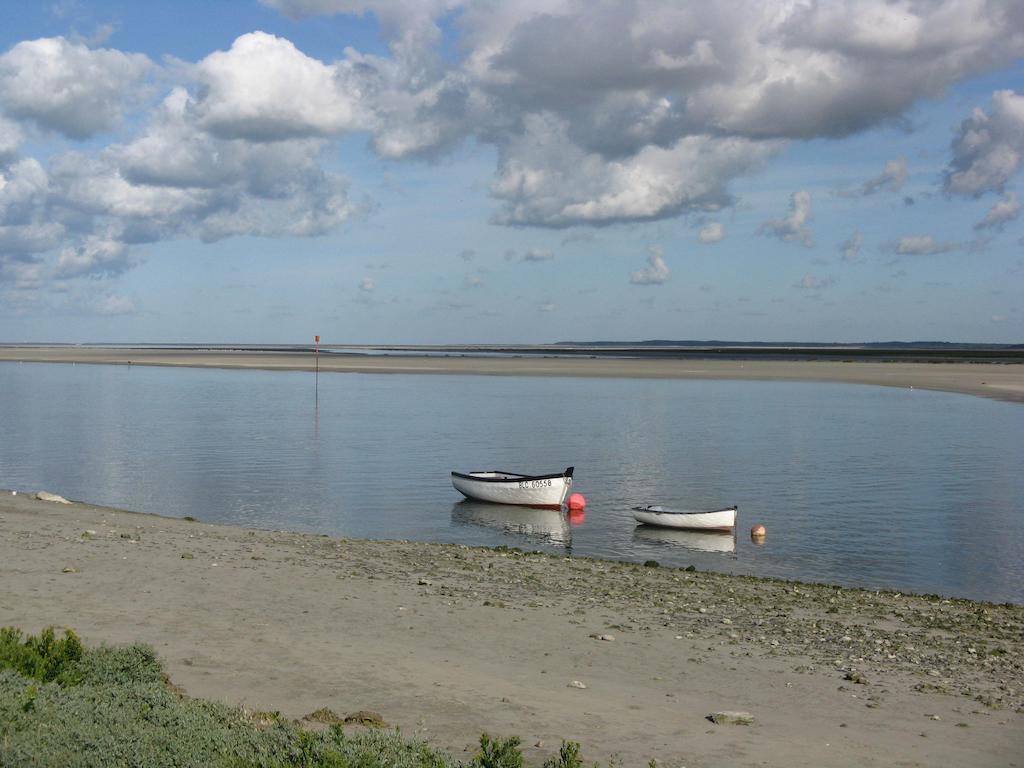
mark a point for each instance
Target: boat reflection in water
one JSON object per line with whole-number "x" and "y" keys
{"x": 699, "y": 541}
{"x": 551, "y": 526}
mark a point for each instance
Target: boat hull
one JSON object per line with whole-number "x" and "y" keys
{"x": 713, "y": 520}
{"x": 511, "y": 488}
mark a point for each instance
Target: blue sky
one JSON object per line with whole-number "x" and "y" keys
{"x": 460, "y": 171}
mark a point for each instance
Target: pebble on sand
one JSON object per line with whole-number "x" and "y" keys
{"x": 576, "y": 684}
{"x": 47, "y": 496}
{"x": 731, "y": 718}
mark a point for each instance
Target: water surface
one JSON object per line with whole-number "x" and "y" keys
{"x": 858, "y": 485}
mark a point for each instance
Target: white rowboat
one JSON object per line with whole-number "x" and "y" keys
{"x": 513, "y": 488}
{"x": 713, "y": 520}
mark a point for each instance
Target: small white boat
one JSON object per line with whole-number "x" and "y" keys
{"x": 513, "y": 488}
{"x": 698, "y": 520}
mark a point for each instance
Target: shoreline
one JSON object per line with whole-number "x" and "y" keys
{"x": 447, "y": 641}
{"x": 999, "y": 381}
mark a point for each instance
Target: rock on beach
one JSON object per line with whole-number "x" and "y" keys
{"x": 47, "y": 496}
{"x": 731, "y": 718}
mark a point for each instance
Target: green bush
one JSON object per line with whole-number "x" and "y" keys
{"x": 43, "y": 658}
{"x": 499, "y": 753}
{"x": 568, "y": 756}
{"x": 68, "y": 706}
{"x": 63, "y": 705}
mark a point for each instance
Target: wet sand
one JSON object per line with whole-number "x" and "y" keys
{"x": 448, "y": 641}
{"x": 993, "y": 380}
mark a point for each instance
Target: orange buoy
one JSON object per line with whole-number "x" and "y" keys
{"x": 576, "y": 501}
{"x": 757, "y": 532}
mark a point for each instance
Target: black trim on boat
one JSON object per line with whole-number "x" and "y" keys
{"x": 664, "y": 511}
{"x": 513, "y": 477}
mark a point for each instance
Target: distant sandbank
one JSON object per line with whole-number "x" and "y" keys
{"x": 992, "y": 380}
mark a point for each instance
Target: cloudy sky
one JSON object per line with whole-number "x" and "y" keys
{"x": 530, "y": 171}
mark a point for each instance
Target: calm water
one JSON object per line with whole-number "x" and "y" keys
{"x": 869, "y": 486}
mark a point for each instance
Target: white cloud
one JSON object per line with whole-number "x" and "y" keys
{"x": 10, "y": 139}
{"x": 473, "y": 281}
{"x": 20, "y": 181}
{"x": 96, "y": 257}
{"x": 830, "y": 69}
{"x": 21, "y": 275}
{"x": 850, "y": 248}
{"x": 711, "y": 232}
{"x": 20, "y": 242}
{"x": 892, "y": 178}
{"x": 1003, "y": 212}
{"x": 265, "y": 89}
{"x": 586, "y": 139}
{"x": 920, "y": 245}
{"x": 814, "y": 283}
{"x": 536, "y": 255}
{"x": 172, "y": 182}
{"x": 26, "y": 227}
{"x": 67, "y": 87}
{"x": 111, "y": 304}
{"x": 367, "y": 285}
{"x": 655, "y": 273}
{"x": 989, "y": 147}
{"x": 793, "y": 228}
{"x": 546, "y": 180}
{"x": 684, "y": 98}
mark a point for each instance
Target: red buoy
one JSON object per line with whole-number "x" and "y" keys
{"x": 576, "y": 501}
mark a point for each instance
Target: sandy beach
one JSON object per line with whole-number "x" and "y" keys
{"x": 446, "y": 641}
{"x": 994, "y": 380}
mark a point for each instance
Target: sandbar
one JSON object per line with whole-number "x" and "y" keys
{"x": 448, "y": 641}
{"x": 1000, "y": 381}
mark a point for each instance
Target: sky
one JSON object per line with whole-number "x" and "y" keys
{"x": 511, "y": 171}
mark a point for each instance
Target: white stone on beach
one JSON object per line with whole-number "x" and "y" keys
{"x": 47, "y": 496}
{"x": 577, "y": 684}
{"x": 731, "y": 718}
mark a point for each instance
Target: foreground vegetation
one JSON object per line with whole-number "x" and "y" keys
{"x": 62, "y": 704}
